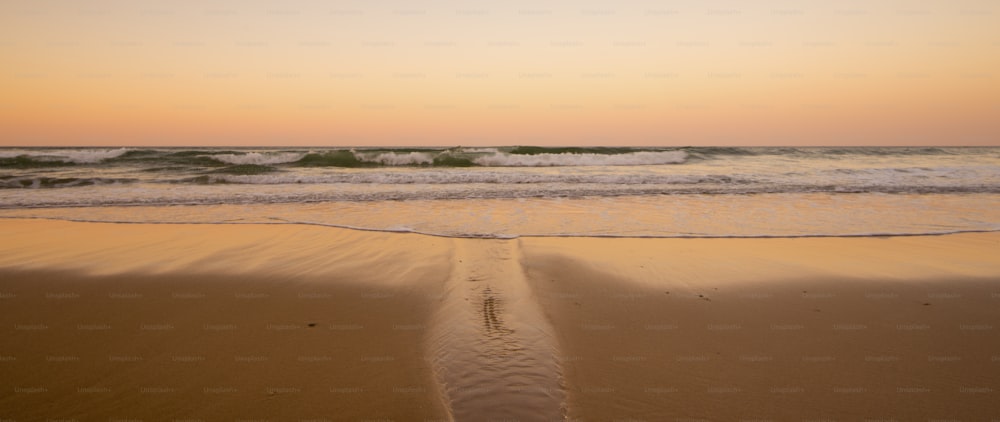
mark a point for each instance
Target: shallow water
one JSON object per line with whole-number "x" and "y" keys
{"x": 764, "y": 215}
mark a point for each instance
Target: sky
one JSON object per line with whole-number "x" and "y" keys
{"x": 442, "y": 73}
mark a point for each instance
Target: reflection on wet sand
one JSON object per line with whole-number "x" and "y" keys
{"x": 492, "y": 349}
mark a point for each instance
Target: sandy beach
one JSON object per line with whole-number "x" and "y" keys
{"x": 440, "y": 211}
{"x": 294, "y": 322}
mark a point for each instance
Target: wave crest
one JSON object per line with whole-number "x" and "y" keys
{"x": 398, "y": 159}
{"x": 74, "y": 156}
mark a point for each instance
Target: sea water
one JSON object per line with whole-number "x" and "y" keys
{"x": 508, "y": 192}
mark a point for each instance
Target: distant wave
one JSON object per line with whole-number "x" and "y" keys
{"x": 47, "y": 157}
{"x": 522, "y": 156}
{"x": 349, "y": 158}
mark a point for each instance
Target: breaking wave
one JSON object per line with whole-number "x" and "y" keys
{"x": 397, "y": 159}
{"x": 258, "y": 158}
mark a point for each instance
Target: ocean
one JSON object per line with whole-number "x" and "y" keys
{"x": 508, "y": 192}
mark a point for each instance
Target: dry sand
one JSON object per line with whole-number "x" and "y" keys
{"x": 283, "y": 322}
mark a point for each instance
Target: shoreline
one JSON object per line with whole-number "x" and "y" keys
{"x": 493, "y": 236}
{"x": 639, "y": 328}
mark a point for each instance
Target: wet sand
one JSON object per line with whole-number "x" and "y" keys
{"x": 840, "y": 329}
{"x": 284, "y": 322}
{"x": 195, "y": 322}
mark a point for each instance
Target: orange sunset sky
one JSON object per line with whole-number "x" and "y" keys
{"x": 303, "y": 72}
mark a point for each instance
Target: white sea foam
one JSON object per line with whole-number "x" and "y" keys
{"x": 397, "y": 159}
{"x": 480, "y": 150}
{"x": 258, "y": 158}
{"x": 568, "y": 159}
